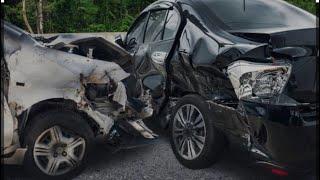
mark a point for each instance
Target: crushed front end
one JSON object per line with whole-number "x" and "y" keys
{"x": 87, "y": 75}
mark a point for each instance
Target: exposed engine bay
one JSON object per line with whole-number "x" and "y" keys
{"x": 97, "y": 92}
{"x": 87, "y": 74}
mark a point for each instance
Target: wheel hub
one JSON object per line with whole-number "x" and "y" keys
{"x": 189, "y": 131}
{"x": 59, "y": 150}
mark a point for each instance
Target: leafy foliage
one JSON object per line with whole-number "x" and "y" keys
{"x": 308, "y": 5}
{"x": 90, "y": 15}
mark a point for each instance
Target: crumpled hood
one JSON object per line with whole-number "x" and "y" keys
{"x": 49, "y": 73}
{"x": 66, "y": 69}
{"x": 56, "y": 42}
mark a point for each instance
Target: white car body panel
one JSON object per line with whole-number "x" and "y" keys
{"x": 37, "y": 73}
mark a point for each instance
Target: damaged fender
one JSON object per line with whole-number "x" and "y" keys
{"x": 38, "y": 73}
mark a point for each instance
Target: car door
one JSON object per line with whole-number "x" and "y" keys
{"x": 151, "y": 56}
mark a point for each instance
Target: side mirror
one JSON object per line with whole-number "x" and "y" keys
{"x": 118, "y": 40}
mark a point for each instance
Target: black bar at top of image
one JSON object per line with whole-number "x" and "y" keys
{"x": 317, "y": 90}
{"x": 2, "y": 118}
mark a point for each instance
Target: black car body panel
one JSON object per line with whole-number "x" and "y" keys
{"x": 279, "y": 129}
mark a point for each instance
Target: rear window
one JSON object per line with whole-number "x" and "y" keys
{"x": 254, "y": 14}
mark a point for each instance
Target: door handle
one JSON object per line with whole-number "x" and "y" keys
{"x": 159, "y": 57}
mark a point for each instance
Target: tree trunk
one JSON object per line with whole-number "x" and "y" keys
{"x": 38, "y": 27}
{"x": 40, "y": 16}
{"x": 24, "y": 14}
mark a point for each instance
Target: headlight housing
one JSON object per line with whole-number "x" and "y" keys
{"x": 269, "y": 83}
{"x": 258, "y": 79}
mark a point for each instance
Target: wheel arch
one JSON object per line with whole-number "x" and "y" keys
{"x": 51, "y": 104}
{"x": 214, "y": 143}
{"x": 206, "y": 100}
{"x": 165, "y": 123}
{"x": 182, "y": 93}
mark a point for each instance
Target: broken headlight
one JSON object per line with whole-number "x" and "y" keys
{"x": 258, "y": 79}
{"x": 266, "y": 83}
{"x": 270, "y": 83}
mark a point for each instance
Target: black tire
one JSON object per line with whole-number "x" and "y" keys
{"x": 46, "y": 120}
{"x": 214, "y": 142}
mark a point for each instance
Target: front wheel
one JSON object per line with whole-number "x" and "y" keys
{"x": 58, "y": 145}
{"x": 194, "y": 139}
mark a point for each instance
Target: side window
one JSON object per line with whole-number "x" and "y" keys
{"x": 172, "y": 24}
{"x": 136, "y": 34}
{"x": 155, "y": 26}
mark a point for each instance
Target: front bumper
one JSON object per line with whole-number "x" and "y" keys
{"x": 16, "y": 158}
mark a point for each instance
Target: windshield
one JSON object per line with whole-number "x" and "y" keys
{"x": 254, "y": 14}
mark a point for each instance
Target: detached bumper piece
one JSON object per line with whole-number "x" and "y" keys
{"x": 142, "y": 129}
{"x": 16, "y": 158}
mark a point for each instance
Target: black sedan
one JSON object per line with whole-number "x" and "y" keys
{"x": 231, "y": 71}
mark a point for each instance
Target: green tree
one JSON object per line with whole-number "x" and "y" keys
{"x": 308, "y": 5}
{"x": 91, "y": 15}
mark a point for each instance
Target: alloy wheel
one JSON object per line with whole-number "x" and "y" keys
{"x": 189, "y": 132}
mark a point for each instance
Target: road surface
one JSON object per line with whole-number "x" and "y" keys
{"x": 157, "y": 162}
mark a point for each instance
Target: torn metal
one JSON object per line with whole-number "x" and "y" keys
{"x": 69, "y": 68}
{"x": 260, "y": 80}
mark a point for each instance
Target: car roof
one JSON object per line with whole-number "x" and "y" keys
{"x": 162, "y": 2}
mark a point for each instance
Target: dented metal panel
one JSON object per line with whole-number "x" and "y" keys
{"x": 260, "y": 80}
{"x": 42, "y": 71}
{"x": 8, "y": 125}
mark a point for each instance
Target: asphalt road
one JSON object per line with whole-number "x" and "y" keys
{"x": 157, "y": 162}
